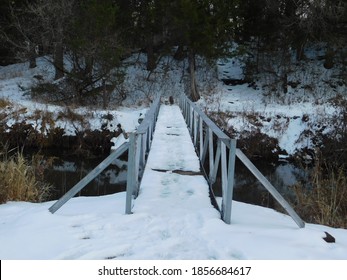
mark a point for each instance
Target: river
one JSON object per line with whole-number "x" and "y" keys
{"x": 65, "y": 172}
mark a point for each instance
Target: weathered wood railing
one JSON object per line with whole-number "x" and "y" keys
{"x": 139, "y": 144}
{"x": 137, "y": 147}
{"x": 92, "y": 175}
{"x": 204, "y": 132}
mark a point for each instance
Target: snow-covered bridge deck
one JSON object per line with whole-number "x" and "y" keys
{"x": 172, "y": 177}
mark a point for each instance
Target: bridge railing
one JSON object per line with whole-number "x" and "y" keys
{"x": 139, "y": 145}
{"x": 213, "y": 144}
{"x": 92, "y": 175}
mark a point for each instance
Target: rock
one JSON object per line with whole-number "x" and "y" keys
{"x": 329, "y": 238}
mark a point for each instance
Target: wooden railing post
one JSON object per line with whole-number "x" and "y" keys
{"x": 91, "y": 176}
{"x": 139, "y": 145}
{"x": 229, "y": 177}
{"x": 195, "y": 129}
{"x": 227, "y": 165}
{"x": 131, "y": 181}
{"x": 216, "y": 162}
{"x": 201, "y": 132}
{"x": 210, "y": 152}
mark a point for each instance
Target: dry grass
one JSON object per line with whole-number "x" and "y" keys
{"x": 4, "y": 103}
{"x": 325, "y": 202}
{"x": 20, "y": 181}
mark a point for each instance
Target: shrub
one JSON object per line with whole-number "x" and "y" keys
{"x": 324, "y": 201}
{"x": 20, "y": 181}
{"x": 4, "y": 103}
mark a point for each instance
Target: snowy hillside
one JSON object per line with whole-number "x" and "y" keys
{"x": 96, "y": 227}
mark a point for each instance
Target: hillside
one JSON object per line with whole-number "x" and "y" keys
{"x": 296, "y": 121}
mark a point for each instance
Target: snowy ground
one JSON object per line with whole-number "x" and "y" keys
{"x": 15, "y": 80}
{"x": 285, "y": 117}
{"x": 172, "y": 219}
{"x": 97, "y": 228}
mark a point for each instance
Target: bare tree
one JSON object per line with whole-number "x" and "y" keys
{"x": 54, "y": 19}
{"x": 21, "y": 32}
{"x": 41, "y": 24}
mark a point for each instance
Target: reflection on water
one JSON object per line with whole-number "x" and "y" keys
{"x": 65, "y": 173}
{"x": 283, "y": 176}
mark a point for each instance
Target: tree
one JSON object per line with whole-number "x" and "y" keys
{"x": 95, "y": 48}
{"x": 21, "y": 31}
{"x": 144, "y": 25}
{"x": 39, "y": 24}
{"x": 204, "y": 28}
{"x": 54, "y": 19}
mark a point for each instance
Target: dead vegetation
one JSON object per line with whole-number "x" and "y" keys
{"x": 21, "y": 180}
{"x": 324, "y": 199}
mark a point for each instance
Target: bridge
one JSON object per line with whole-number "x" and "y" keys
{"x": 174, "y": 158}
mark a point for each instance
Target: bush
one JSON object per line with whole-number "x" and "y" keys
{"x": 47, "y": 92}
{"x": 4, "y": 103}
{"x": 324, "y": 201}
{"x": 20, "y": 181}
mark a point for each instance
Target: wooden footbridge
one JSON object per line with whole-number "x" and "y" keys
{"x": 174, "y": 158}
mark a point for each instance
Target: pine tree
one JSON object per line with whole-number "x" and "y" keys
{"x": 204, "y": 28}
{"x": 95, "y": 47}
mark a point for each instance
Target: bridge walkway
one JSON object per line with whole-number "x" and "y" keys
{"x": 164, "y": 169}
{"x": 172, "y": 178}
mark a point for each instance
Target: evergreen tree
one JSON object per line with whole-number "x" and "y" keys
{"x": 204, "y": 28}
{"x": 95, "y": 47}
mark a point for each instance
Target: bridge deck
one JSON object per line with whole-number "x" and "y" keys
{"x": 172, "y": 177}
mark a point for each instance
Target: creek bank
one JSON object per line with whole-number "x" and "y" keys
{"x": 87, "y": 143}
{"x": 299, "y": 140}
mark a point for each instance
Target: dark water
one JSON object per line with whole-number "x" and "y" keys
{"x": 282, "y": 175}
{"x": 67, "y": 171}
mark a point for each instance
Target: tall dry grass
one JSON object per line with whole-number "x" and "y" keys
{"x": 325, "y": 200}
{"x": 4, "y": 103}
{"x": 20, "y": 180}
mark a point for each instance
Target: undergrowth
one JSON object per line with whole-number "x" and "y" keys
{"x": 4, "y": 103}
{"x": 21, "y": 180}
{"x": 324, "y": 200}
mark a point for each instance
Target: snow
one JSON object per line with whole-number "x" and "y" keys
{"x": 15, "y": 80}
{"x": 97, "y": 228}
{"x": 185, "y": 227}
{"x": 172, "y": 219}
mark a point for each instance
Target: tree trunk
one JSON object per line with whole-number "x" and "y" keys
{"x": 329, "y": 58}
{"x": 32, "y": 62}
{"x": 104, "y": 95}
{"x": 58, "y": 60}
{"x": 194, "y": 93}
{"x": 32, "y": 56}
{"x": 179, "y": 54}
{"x": 151, "y": 61}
